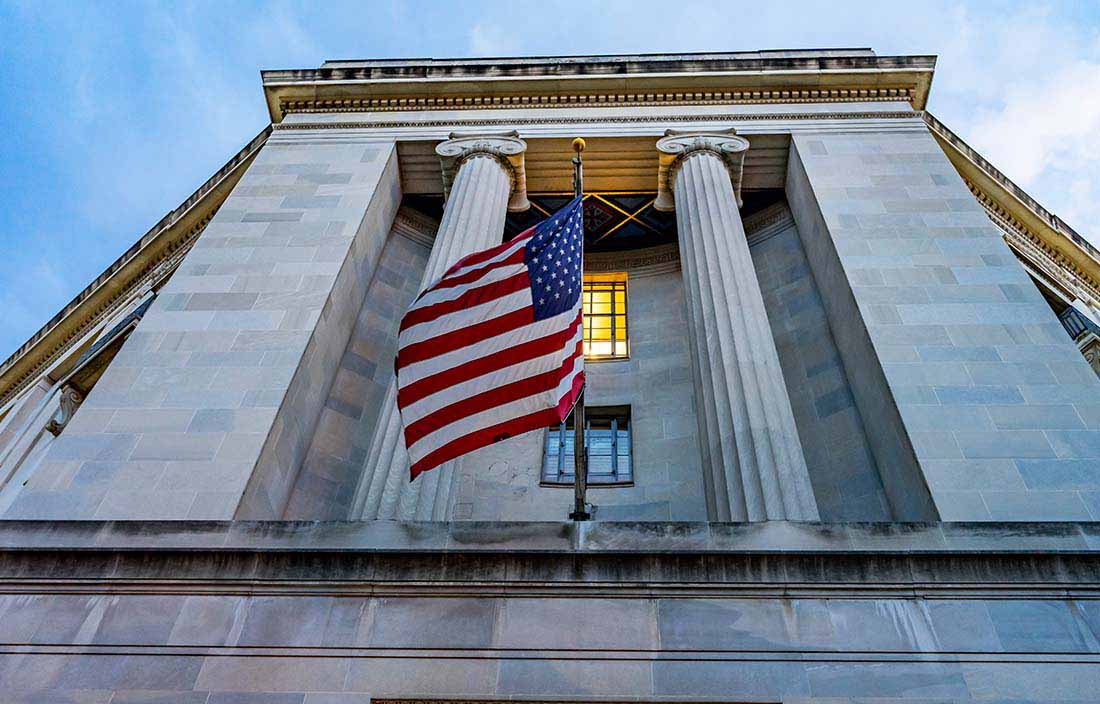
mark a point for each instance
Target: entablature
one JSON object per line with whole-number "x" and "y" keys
{"x": 837, "y": 75}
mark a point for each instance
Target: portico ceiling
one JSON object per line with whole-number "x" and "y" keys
{"x": 611, "y": 164}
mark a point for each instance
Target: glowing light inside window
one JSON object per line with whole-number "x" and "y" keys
{"x": 604, "y": 304}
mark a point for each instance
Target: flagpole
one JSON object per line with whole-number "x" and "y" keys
{"x": 580, "y": 453}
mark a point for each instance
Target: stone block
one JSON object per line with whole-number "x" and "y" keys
{"x": 1005, "y": 444}
{"x": 155, "y": 504}
{"x": 963, "y": 625}
{"x": 1075, "y": 444}
{"x": 1038, "y": 505}
{"x": 434, "y": 622}
{"x": 1036, "y": 417}
{"x": 1037, "y": 682}
{"x": 961, "y": 505}
{"x": 131, "y": 672}
{"x": 989, "y": 395}
{"x": 127, "y": 420}
{"x": 208, "y": 620}
{"x": 220, "y": 301}
{"x": 907, "y": 681}
{"x": 177, "y": 446}
{"x": 137, "y": 619}
{"x": 576, "y": 677}
{"x": 1062, "y": 475}
{"x": 254, "y": 698}
{"x": 738, "y": 624}
{"x": 271, "y": 674}
{"x": 745, "y": 680}
{"x": 422, "y": 677}
{"x": 1034, "y": 626}
{"x": 974, "y": 475}
{"x": 286, "y": 621}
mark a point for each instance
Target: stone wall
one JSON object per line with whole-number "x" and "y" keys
{"x": 210, "y": 405}
{"x": 966, "y": 379}
{"x": 334, "y": 464}
{"x": 838, "y": 456}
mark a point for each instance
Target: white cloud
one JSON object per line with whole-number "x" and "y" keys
{"x": 1023, "y": 88}
{"x": 1053, "y": 123}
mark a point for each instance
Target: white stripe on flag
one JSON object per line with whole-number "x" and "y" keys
{"x": 464, "y": 318}
{"x": 493, "y": 380}
{"x": 485, "y": 348}
{"x": 493, "y": 416}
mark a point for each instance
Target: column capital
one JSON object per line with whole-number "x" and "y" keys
{"x": 679, "y": 145}
{"x": 505, "y": 148}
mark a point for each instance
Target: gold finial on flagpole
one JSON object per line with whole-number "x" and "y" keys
{"x": 578, "y": 168}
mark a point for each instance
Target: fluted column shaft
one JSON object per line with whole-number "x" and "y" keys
{"x": 751, "y": 451}
{"x": 473, "y": 219}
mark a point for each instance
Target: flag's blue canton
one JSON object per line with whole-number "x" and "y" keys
{"x": 554, "y": 261}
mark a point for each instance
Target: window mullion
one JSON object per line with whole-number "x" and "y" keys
{"x": 615, "y": 448}
{"x": 561, "y": 450}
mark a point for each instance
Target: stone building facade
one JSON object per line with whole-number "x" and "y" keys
{"x": 842, "y": 376}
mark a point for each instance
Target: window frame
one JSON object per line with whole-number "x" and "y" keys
{"x": 618, "y": 477}
{"x": 617, "y": 280}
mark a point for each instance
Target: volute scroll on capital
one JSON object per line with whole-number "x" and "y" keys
{"x": 506, "y": 148}
{"x": 677, "y": 146}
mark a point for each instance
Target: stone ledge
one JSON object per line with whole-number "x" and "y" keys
{"x": 657, "y": 538}
{"x": 539, "y": 559}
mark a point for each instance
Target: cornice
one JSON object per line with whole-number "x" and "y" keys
{"x": 595, "y": 119}
{"x": 565, "y": 66}
{"x": 1040, "y": 254}
{"x": 449, "y": 84}
{"x": 1038, "y": 235}
{"x": 149, "y": 260}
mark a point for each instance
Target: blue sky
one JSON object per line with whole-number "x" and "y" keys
{"x": 114, "y": 112}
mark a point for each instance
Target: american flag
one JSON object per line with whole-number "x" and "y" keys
{"x": 494, "y": 348}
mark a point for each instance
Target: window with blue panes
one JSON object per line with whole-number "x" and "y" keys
{"x": 607, "y": 437}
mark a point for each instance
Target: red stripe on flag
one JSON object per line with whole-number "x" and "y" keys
{"x": 475, "y": 274}
{"x": 448, "y": 342}
{"x": 469, "y": 299}
{"x": 484, "y": 365}
{"x": 497, "y": 396}
{"x": 501, "y": 431}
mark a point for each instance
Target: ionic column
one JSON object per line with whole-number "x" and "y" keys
{"x": 483, "y": 179}
{"x": 752, "y": 456}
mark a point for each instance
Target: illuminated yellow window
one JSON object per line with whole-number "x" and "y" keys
{"x": 604, "y": 301}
